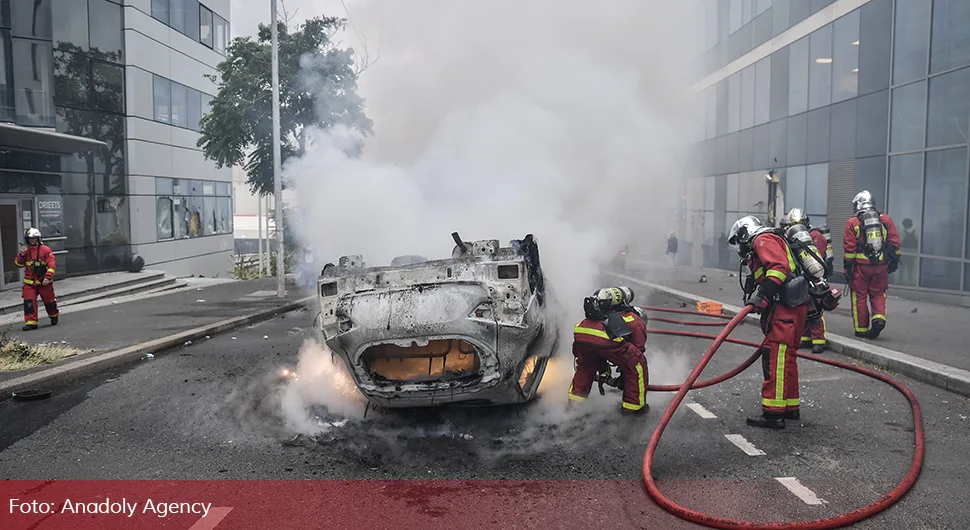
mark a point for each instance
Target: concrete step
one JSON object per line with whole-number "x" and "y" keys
{"x": 154, "y": 285}
{"x": 89, "y": 291}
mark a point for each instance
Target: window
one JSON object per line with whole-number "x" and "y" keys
{"x": 176, "y": 14}
{"x": 762, "y": 91}
{"x": 31, "y": 19}
{"x": 779, "y": 16}
{"x": 875, "y": 44}
{"x": 873, "y": 124}
{"x": 193, "y": 108}
{"x": 160, "y": 10}
{"x": 842, "y": 144}
{"x": 164, "y": 209}
{"x": 731, "y": 203}
{"x": 951, "y": 35}
{"x": 779, "y": 84}
{"x": 745, "y": 11}
{"x": 908, "y": 117}
{"x": 910, "y": 40}
{"x": 795, "y": 189}
{"x": 192, "y": 21}
{"x": 870, "y": 174}
{"x": 845, "y": 62}
{"x": 818, "y": 135}
{"x": 735, "y": 16}
{"x": 163, "y": 99}
{"x": 949, "y": 109}
{"x": 798, "y": 77}
{"x": 734, "y": 103}
{"x": 778, "y": 142}
{"x": 179, "y": 118}
{"x": 33, "y": 79}
{"x": 107, "y": 87}
{"x": 192, "y": 208}
{"x": 70, "y": 24}
{"x": 820, "y": 68}
{"x": 205, "y": 26}
{"x": 905, "y": 179}
{"x": 761, "y": 6}
{"x": 939, "y": 274}
{"x": 7, "y": 109}
{"x": 106, "y": 30}
{"x": 747, "y": 97}
{"x": 220, "y": 34}
{"x": 817, "y": 189}
{"x": 797, "y": 139}
{"x": 944, "y": 202}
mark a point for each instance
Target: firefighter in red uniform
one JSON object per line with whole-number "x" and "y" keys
{"x": 38, "y": 279}
{"x": 781, "y": 300}
{"x": 814, "y": 333}
{"x": 872, "y": 251}
{"x": 612, "y": 331}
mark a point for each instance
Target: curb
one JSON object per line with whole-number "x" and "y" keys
{"x": 111, "y": 359}
{"x": 933, "y": 373}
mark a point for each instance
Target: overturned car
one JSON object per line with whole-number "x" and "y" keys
{"x": 476, "y": 329}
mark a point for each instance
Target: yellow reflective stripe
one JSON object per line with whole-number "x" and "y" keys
{"x": 50, "y": 271}
{"x": 590, "y": 331}
{"x": 780, "y": 373}
{"x": 818, "y": 341}
{"x": 618, "y": 339}
{"x": 856, "y": 228}
{"x": 850, "y": 255}
{"x": 30, "y": 282}
{"x": 855, "y": 314}
{"x": 794, "y": 402}
{"x": 759, "y": 273}
{"x": 776, "y": 274}
{"x": 804, "y": 338}
{"x": 879, "y": 317}
{"x": 641, "y": 386}
{"x": 31, "y": 322}
{"x": 791, "y": 259}
{"x": 575, "y": 397}
{"x": 630, "y": 318}
{"x": 825, "y": 328}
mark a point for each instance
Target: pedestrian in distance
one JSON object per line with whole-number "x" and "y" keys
{"x": 38, "y": 261}
{"x": 672, "y": 250}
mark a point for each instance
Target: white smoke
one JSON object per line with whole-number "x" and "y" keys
{"x": 566, "y": 120}
{"x": 321, "y": 379}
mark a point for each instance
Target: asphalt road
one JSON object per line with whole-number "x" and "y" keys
{"x": 213, "y": 410}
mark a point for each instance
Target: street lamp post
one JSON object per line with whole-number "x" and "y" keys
{"x": 277, "y": 181}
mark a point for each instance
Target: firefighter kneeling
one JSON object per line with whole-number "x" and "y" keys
{"x": 615, "y": 332}
{"x": 38, "y": 259}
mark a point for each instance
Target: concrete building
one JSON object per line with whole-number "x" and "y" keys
{"x": 101, "y": 102}
{"x": 836, "y": 97}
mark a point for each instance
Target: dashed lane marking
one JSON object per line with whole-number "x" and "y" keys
{"x": 701, "y": 411}
{"x": 806, "y": 495}
{"x": 210, "y": 521}
{"x": 744, "y": 445}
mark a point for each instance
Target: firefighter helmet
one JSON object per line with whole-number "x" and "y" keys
{"x": 796, "y": 216}
{"x": 744, "y": 230}
{"x": 862, "y": 201}
{"x": 32, "y": 233}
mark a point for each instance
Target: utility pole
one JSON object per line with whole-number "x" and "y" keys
{"x": 259, "y": 219}
{"x": 277, "y": 179}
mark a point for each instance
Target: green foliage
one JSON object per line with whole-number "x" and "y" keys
{"x": 318, "y": 88}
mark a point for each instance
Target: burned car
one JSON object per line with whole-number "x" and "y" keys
{"x": 476, "y": 329}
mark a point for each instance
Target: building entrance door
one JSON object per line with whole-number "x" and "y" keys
{"x": 11, "y": 230}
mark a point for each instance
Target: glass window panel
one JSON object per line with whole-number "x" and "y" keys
{"x": 746, "y": 150}
{"x": 799, "y": 11}
{"x": 873, "y": 124}
{"x": 205, "y": 26}
{"x": 220, "y": 34}
{"x": 106, "y": 27}
{"x": 762, "y": 91}
{"x": 71, "y": 79}
{"x": 762, "y": 151}
{"x": 722, "y": 107}
{"x": 949, "y": 109}
{"x": 31, "y": 19}
{"x": 910, "y": 40}
{"x": 779, "y": 16}
{"x": 798, "y": 54}
{"x": 163, "y": 99}
{"x": 710, "y": 186}
{"x": 223, "y": 215}
{"x": 820, "y": 68}
{"x": 7, "y": 109}
{"x": 779, "y": 84}
{"x": 797, "y": 139}
{"x": 817, "y": 5}
{"x": 966, "y": 277}
{"x": 875, "y": 43}
{"x": 778, "y": 143}
{"x": 908, "y": 117}
{"x": 842, "y": 139}
{"x": 179, "y": 110}
{"x": 734, "y": 102}
{"x": 209, "y": 215}
{"x": 747, "y": 97}
{"x": 761, "y": 6}
{"x": 710, "y": 112}
{"x": 163, "y": 186}
{"x": 762, "y": 30}
{"x": 193, "y": 108}
{"x": 733, "y": 153}
{"x": 951, "y": 35}
{"x": 70, "y": 25}
{"x": 940, "y": 274}
{"x": 795, "y": 188}
{"x": 195, "y": 187}
{"x": 195, "y": 207}
{"x": 33, "y": 80}
{"x": 817, "y": 147}
{"x": 112, "y": 222}
{"x": 731, "y": 203}
{"x": 223, "y": 189}
{"x": 208, "y": 188}
{"x": 176, "y": 17}
{"x": 845, "y": 62}
{"x": 107, "y": 87}
{"x": 164, "y": 210}
{"x": 816, "y": 189}
{"x": 192, "y": 19}
{"x": 182, "y": 217}
{"x": 735, "y": 16}
{"x": 870, "y": 174}
{"x": 181, "y": 187}
{"x": 160, "y": 9}
{"x": 905, "y": 176}
{"x": 944, "y": 201}
{"x": 746, "y": 11}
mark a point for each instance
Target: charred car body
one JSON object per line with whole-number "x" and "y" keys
{"x": 476, "y": 329}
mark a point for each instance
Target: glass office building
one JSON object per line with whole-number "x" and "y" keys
{"x": 836, "y": 97}
{"x": 99, "y": 108}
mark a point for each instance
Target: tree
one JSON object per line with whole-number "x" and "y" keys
{"x": 318, "y": 88}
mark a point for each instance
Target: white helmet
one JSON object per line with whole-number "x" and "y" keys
{"x": 797, "y": 217}
{"x": 616, "y": 295}
{"x": 32, "y": 233}
{"x": 744, "y": 230}
{"x": 862, "y": 201}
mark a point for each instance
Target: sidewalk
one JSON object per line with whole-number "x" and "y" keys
{"x": 934, "y": 332}
{"x": 116, "y": 326}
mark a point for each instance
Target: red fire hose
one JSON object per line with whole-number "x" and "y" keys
{"x": 713, "y": 521}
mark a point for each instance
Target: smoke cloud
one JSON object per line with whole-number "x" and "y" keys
{"x": 567, "y": 120}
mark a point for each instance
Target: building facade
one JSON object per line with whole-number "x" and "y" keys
{"x": 836, "y": 97}
{"x": 101, "y": 101}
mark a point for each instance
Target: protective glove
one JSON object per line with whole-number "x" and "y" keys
{"x": 766, "y": 293}
{"x": 758, "y": 301}
{"x": 23, "y": 252}
{"x": 749, "y": 284}
{"x": 849, "y": 268}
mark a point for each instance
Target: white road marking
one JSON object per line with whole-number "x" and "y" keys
{"x": 744, "y": 445}
{"x": 210, "y": 521}
{"x": 701, "y": 411}
{"x": 806, "y": 495}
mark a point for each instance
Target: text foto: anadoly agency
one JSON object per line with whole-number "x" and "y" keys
{"x": 110, "y": 507}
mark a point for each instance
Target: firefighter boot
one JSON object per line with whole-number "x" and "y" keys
{"x": 792, "y": 415}
{"x": 30, "y": 327}
{"x": 768, "y": 420}
{"x": 628, "y": 412}
{"x": 818, "y": 348}
{"x": 877, "y": 326}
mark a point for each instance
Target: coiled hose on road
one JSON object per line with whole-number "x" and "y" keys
{"x": 691, "y": 383}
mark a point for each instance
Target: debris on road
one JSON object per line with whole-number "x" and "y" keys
{"x": 149, "y": 356}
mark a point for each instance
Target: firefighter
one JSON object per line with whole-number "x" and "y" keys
{"x": 612, "y": 331}
{"x": 813, "y": 335}
{"x": 38, "y": 279}
{"x": 783, "y": 308}
{"x": 872, "y": 251}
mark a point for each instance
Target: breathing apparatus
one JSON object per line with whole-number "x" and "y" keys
{"x": 608, "y": 305}
{"x": 871, "y": 223}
